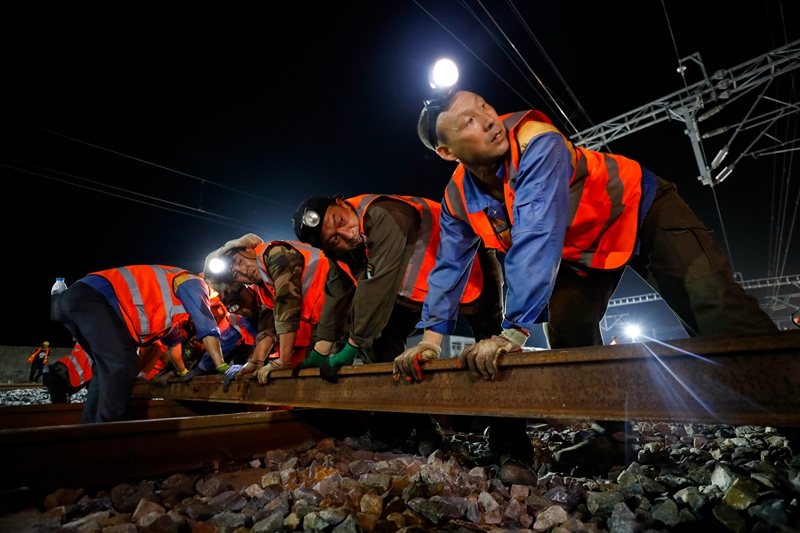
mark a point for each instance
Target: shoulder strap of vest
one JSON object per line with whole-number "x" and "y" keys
{"x": 454, "y": 195}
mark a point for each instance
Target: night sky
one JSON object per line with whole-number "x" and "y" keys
{"x": 271, "y": 102}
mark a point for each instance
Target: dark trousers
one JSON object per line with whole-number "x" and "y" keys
{"x": 679, "y": 259}
{"x": 86, "y": 313}
{"x": 57, "y": 383}
{"x": 36, "y": 371}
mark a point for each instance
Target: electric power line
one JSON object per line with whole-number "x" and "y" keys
{"x": 203, "y": 180}
{"x": 201, "y": 214}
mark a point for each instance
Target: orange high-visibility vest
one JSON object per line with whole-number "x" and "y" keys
{"x": 37, "y": 352}
{"x": 315, "y": 271}
{"x": 78, "y": 365}
{"x": 235, "y": 321}
{"x": 423, "y": 258}
{"x": 604, "y": 195}
{"x": 146, "y": 299}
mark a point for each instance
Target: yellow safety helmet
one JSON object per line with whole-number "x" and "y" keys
{"x": 45, "y": 343}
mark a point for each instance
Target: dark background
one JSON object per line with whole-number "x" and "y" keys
{"x": 271, "y": 102}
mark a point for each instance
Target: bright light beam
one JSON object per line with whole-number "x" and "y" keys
{"x": 680, "y": 381}
{"x": 700, "y": 357}
{"x": 633, "y": 331}
{"x": 444, "y": 74}
{"x": 216, "y": 265}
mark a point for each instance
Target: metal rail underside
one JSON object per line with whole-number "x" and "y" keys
{"x": 45, "y": 459}
{"x": 736, "y": 380}
{"x": 65, "y": 414}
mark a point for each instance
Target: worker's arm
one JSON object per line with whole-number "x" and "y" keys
{"x": 392, "y": 227}
{"x": 193, "y": 294}
{"x": 175, "y": 357}
{"x": 540, "y": 222}
{"x": 339, "y": 289}
{"x": 285, "y": 268}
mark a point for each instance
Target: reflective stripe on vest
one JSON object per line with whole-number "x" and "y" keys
{"x": 603, "y": 202}
{"x": 146, "y": 315}
{"x": 414, "y": 286}
{"x": 79, "y": 366}
{"x": 236, "y": 323}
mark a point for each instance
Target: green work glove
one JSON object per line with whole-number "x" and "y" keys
{"x": 313, "y": 360}
{"x": 224, "y": 367}
{"x": 330, "y": 368}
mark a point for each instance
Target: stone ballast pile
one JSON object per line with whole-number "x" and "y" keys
{"x": 686, "y": 478}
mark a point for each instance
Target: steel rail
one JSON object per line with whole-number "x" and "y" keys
{"x": 736, "y": 380}
{"x": 65, "y": 414}
{"x": 94, "y": 455}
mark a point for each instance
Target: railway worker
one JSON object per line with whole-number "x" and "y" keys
{"x": 288, "y": 277}
{"x": 380, "y": 249}
{"x": 68, "y": 375}
{"x": 111, "y": 312}
{"x": 37, "y": 361}
{"x": 568, "y": 220}
{"x": 237, "y": 338}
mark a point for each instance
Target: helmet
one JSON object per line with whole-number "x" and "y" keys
{"x": 45, "y": 343}
{"x": 307, "y": 220}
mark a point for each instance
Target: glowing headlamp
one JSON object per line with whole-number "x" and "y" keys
{"x": 218, "y": 265}
{"x": 442, "y": 77}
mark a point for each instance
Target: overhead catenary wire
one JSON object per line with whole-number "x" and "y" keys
{"x": 541, "y": 83}
{"x": 203, "y": 180}
{"x": 175, "y": 207}
{"x": 476, "y": 56}
{"x": 549, "y": 61}
{"x": 507, "y": 54}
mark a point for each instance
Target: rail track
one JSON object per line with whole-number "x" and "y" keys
{"x": 739, "y": 380}
{"x": 751, "y": 380}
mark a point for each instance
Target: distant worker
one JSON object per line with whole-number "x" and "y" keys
{"x": 381, "y": 248}
{"x": 289, "y": 278}
{"x": 68, "y": 375}
{"x": 111, "y": 312}
{"x": 37, "y": 360}
{"x": 569, "y": 220}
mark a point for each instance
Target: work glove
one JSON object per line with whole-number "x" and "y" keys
{"x": 481, "y": 358}
{"x": 230, "y": 375}
{"x": 224, "y": 367}
{"x": 196, "y": 371}
{"x": 263, "y": 373}
{"x": 330, "y": 367}
{"x": 313, "y": 360}
{"x": 161, "y": 379}
{"x": 408, "y": 364}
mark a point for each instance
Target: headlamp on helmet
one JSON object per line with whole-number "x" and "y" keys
{"x": 307, "y": 220}
{"x": 442, "y": 77}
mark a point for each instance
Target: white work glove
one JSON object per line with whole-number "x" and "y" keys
{"x": 481, "y": 358}
{"x": 409, "y": 363}
{"x": 263, "y": 373}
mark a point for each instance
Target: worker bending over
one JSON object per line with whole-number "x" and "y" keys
{"x": 112, "y": 312}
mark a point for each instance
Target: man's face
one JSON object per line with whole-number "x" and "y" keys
{"x": 244, "y": 269}
{"x": 340, "y": 228}
{"x": 473, "y": 133}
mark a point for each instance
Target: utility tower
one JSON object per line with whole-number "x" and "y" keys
{"x": 706, "y": 98}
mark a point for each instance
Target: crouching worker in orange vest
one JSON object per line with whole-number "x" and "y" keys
{"x": 113, "y": 312}
{"x": 568, "y": 220}
{"x": 381, "y": 249}
{"x": 289, "y": 278}
{"x": 68, "y": 375}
